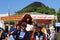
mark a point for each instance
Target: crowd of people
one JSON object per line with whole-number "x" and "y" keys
{"x": 26, "y": 29}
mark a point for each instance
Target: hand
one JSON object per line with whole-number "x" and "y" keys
{"x": 34, "y": 30}
{"x": 12, "y": 32}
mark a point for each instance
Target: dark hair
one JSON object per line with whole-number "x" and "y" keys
{"x": 58, "y": 30}
{"x": 27, "y": 16}
{"x": 24, "y": 24}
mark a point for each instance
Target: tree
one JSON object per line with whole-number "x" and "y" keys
{"x": 44, "y": 10}
{"x": 36, "y": 7}
{"x": 58, "y": 15}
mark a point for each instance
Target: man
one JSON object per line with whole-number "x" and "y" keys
{"x": 21, "y": 34}
{"x": 12, "y": 29}
{"x": 57, "y": 35}
{"x": 3, "y": 36}
{"x": 6, "y": 28}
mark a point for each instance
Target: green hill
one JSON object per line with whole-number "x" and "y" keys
{"x": 36, "y": 7}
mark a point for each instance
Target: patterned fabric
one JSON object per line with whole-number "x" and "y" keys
{"x": 18, "y": 35}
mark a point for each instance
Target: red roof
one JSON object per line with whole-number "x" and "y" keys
{"x": 17, "y": 17}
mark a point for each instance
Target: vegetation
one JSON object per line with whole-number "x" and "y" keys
{"x": 39, "y": 8}
{"x": 58, "y": 15}
{"x": 45, "y": 10}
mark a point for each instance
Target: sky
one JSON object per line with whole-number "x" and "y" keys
{"x": 14, "y": 5}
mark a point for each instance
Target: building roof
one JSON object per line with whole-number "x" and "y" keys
{"x": 16, "y": 17}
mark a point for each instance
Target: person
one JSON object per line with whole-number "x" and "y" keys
{"x": 52, "y": 32}
{"x": 38, "y": 34}
{"x": 12, "y": 29}
{"x": 57, "y": 35}
{"x": 21, "y": 33}
{"x": 27, "y": 19}
{"x": 48, "y": 34}
{"x": 3, "y": 36}
{"x": 6, "y": 28}
{"x": 44, "y": 30}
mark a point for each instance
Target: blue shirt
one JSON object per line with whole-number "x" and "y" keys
{"x": 12, "y": 29}
{"x": 22, "y": 34}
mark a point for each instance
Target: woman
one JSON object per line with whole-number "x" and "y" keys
{"x": 27, "y": 19}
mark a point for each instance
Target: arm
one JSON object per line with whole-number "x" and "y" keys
{"x": 45, "y": 38}
{"x": 32, "y": 36}
{"x": 6, "y": 38}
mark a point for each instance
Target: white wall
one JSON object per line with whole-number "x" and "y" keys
{"x": 2, "y": 15}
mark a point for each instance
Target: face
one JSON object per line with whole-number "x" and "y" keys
{"x": 18, "y": 28}
{"x": 22, "y": 27}
{"x": 27, "y": 19}
{"x": 38, "y": 29}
